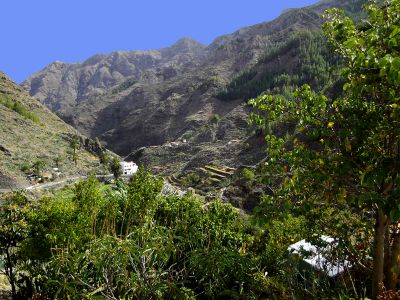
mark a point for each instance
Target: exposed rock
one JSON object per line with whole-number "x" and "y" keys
{"x": 5, "y": 150}
{"x": 135, "y": 99}
{"x": 8, "y": 182}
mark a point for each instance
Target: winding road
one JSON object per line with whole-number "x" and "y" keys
{"x": 63, "y": 182}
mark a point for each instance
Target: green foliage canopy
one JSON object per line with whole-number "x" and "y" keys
{"x": 346, "y": 149}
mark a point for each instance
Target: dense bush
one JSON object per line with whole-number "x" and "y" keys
{"x": 129, "y": 241}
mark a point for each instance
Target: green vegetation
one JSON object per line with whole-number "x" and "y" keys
{"x": 328, "y": 172}
{"x": 123, "y": 86}
{"x": 25, "y": 167}
{"x": 19, "y": 108}
{"x": 247, "y": 174}
{"x": 345, "y": 151}
{"x": 105, "y": 158}
{"x": 38, "y": 166}
{"x": 215, "y": 118}
{"x": 13, "y": 231}
{"x": 115, "y": 167}
{"x": 131, "y": 242}
{"x": 74, "y": 145}
{"x": 303, "y": 58}
{"x": 26, "y": 142}
{"x": 191, "y": 179}
{"x": 57, "y": 161}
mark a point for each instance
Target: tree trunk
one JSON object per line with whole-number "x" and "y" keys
{"x": 387, "y": 254}
{"x": 379, "y": 249}
{"x": 393, "y": 272}
{"x": 10, "y": 274}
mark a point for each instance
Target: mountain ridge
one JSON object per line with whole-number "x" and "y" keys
{"x": 173, "y": 95}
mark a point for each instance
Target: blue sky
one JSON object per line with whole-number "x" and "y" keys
{"x": 36, "y": 33}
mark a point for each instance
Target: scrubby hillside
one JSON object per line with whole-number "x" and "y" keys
{"x": 33, "y": 139}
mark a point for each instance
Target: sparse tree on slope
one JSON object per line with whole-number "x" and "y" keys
{"x": 38, "y": 166}
{"x": 74, "y": 145}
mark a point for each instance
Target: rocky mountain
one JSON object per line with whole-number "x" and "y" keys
{"x": 186, "y": 104}
{"x": 31, "y": 133}
{"x": 63, "y": 86}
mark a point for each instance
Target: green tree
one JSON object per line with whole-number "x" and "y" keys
{"x": 142, "y": 197}
{"x": 347, "y": 149}
{"x": 13, "y": 230}
{"x": 104, "y": 158}
{"x": 74, "y": 147}
{"x": 131, "y": 242}
{"x": 115, "y": 167}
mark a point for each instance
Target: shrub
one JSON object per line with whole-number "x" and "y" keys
{"x": 19, "y": 108}
{"x": 247, "y": 174}
{"x": 215, "y": 118}
{"x": 25, "y": 167}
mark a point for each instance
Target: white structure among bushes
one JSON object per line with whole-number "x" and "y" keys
{"x": 320, "y": 258}
{"x": 128, "y": 168}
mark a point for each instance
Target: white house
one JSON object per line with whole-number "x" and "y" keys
{"x": 320, "y": 257}
{"x": 128, "y": 168}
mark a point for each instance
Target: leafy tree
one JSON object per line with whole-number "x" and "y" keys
{"x": 115, "y": 167}
{"x": 247, "y": 174}
{"x": 104, "y": 158}
{"x": 74, "y": 145}
{"x": 372, "y": 72}
{"x": 192, "y": 179}
{"x": 13, "y": 230}
{"x": 347, "y": 149}
{"x": 142, "y": 197}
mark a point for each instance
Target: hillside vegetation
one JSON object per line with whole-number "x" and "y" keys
{"x": 326, "y": 226}
{"x": 132, "y": 241}
{"x": 32, "y": 136}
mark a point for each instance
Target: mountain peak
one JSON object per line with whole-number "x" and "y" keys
{"x": 188, "y": 41}
{"x": 187, "y": 44}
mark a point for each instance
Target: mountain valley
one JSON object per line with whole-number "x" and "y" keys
{"x": 189, "y": 93}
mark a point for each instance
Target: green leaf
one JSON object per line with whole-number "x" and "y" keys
{"x": 394, "y": 215}
{"x": 396, "y": 64}
{"x": 395, "y": 32}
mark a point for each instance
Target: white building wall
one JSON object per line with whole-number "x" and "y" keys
{"x": 129, "y": 167}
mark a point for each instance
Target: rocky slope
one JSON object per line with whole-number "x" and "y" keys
{"x": 63, "y": 86}
{"x": 30, "y": 132}
{"x": 189, "y": 94}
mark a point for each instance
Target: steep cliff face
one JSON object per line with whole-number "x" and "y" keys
{"x": 62, "y": 86}
{"x": 150, "y": 98}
